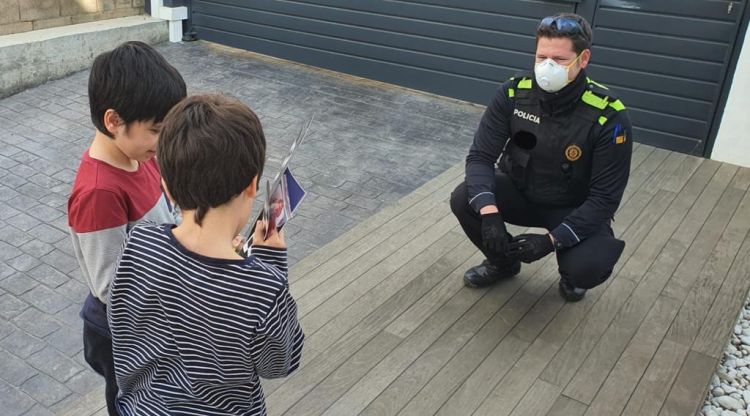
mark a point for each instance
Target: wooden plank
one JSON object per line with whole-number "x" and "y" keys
{"x": 711, "y": 212}
{"x": 457, "y": 366}
{"x": 538, "y": 400}
{"x": 742, "y": 180}
{"x": 442, "y": 273}
{"x": 367, "y": 252}
{"x": 640, "y": 153}
{"x": 366, "y": 227}
{"x": 402, "y": 374}
{"x": 298, "y": 385}
{"x": 320, "y": 397}
{"x": 635, "y": 200}
{"x": 696, "y": 306}
{"x": 654, "y": 386}
{"x": 588, "y": 379}
{"x": 506, "y": 395}
{"x": 689, "y": 389}
{"x": 622, "y": 380}
{"x": 479, "y": 384}
{"x": 652, "y": 166}
{"x": 565, "y": 364}
{"x": 714, "y": 334}
{"x": 345, "y": 287}
{"x": 565, "y": 406}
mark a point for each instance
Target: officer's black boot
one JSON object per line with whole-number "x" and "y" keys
{"x": 487, "y": 274}
{"x": 569, "y": 292}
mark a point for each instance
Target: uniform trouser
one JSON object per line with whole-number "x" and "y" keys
{"x": 585, "y": 265}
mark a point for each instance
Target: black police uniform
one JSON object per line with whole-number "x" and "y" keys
{"x": 564, "y": 167}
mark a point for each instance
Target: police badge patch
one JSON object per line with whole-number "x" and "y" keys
{"x": 573, "y": 152}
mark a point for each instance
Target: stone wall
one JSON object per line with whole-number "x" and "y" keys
{"x": 25, "y": 15}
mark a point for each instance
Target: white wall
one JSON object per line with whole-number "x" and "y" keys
{"x": 733, "y": 140}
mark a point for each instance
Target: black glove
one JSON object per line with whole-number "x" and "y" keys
{"x": 530, "y": 247}
{"x": 495, "y": 237}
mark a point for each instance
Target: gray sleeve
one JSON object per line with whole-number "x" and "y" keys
{"x": 97, "y": 253}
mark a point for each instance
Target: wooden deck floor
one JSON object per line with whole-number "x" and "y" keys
{"x": 391, "y": 329}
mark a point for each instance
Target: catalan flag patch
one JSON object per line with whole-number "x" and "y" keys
{"x": 619, "y": 136}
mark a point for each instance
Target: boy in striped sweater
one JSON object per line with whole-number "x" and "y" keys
{"x": 194, "y": 325}
{"x": 118, "y": 184}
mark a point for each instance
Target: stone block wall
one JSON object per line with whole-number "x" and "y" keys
{"x": 25, "y": 15}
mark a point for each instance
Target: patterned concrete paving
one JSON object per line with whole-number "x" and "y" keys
{"x": 371, "y": 145}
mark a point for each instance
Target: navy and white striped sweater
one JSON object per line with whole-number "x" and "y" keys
{"x": 191, "y": 335}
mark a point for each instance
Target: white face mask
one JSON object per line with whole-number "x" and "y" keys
{"x": 551, "y": 76}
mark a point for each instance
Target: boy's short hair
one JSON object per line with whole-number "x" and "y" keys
{"x": 567, "y": 25}
{"x": 136, "y": 81}
{"x": 210, "y": 149}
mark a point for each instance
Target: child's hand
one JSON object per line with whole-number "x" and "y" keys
{"x": 275, "y": 239}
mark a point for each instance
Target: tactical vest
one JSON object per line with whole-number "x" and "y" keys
{"x": 556, "y": 169}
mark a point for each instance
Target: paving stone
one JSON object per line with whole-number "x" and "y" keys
{"x": 24, "y": 171}
{"x": 8, "y": 252}
{"x": 53, "y": 363}
{"x": 45, "y": 390}
{"x": 18, "y": 283}
{"x": 73, "y": 290}
{"x": 23, "y": 203}
{"x": 21, "y": 344}
{"x": 13, "y": 401}
{"x": 32, "y": 190}
{"x": 6, "y": 270}
{"x": 24, "y": 262}
{"x": 67, "y": 340}
{"x": 44, "y": 273}
{"x": 14, "y": 236}
{"x": 44, "y": 212}
{"x": 61, "y": 261}
{"x": 6, "y": 193}
{"x": 13, "y": 180}
{"x": 38, "y": 410}
{"x": 85, "y": 382}
{"x": 11, "y": 306}
{"x": 47, "y": 234}
{"x": 6, "y": 328}
{"x": 45, "y": 299}
{"x": 7, "y": 211}
{"x": 37, "y": 248}
{"x": 6, "y": 162}
{"x": 70, "y": 315}
{"x": 13, "y": 369}
{"x": 54, "y": 201}
{"x": 23, "y": 222}
{"x": 363, "y": 202}
{"x": 36, "y": 323}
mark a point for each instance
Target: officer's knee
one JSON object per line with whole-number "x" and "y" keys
{"x": 588, "y": 273}
{"x": 592, "y": 265}
{"x": 459, "y": 199}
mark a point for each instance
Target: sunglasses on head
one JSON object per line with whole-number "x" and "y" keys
{"x": 562, "y": 24}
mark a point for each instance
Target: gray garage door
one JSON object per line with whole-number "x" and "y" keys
{"x": 668, "y": 58}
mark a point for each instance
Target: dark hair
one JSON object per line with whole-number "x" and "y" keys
{"x": 135, "y": 81}
{"x": 567, "y": 25}
{"x": 210, "y": 149}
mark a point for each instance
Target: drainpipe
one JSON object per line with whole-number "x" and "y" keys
{"x": 172, "y": 11}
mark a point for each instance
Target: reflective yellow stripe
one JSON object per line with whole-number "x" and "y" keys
{"x": 617, "y": 105}
{"x": 511, "y": 93}
{"x": 591, "y": 81}
{"x": 602, "y": 120}
{"x": 525, "y": 84}
{"x": 592, "y": 99}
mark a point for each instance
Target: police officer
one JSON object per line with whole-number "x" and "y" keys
{"x": 562, "y": 144}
